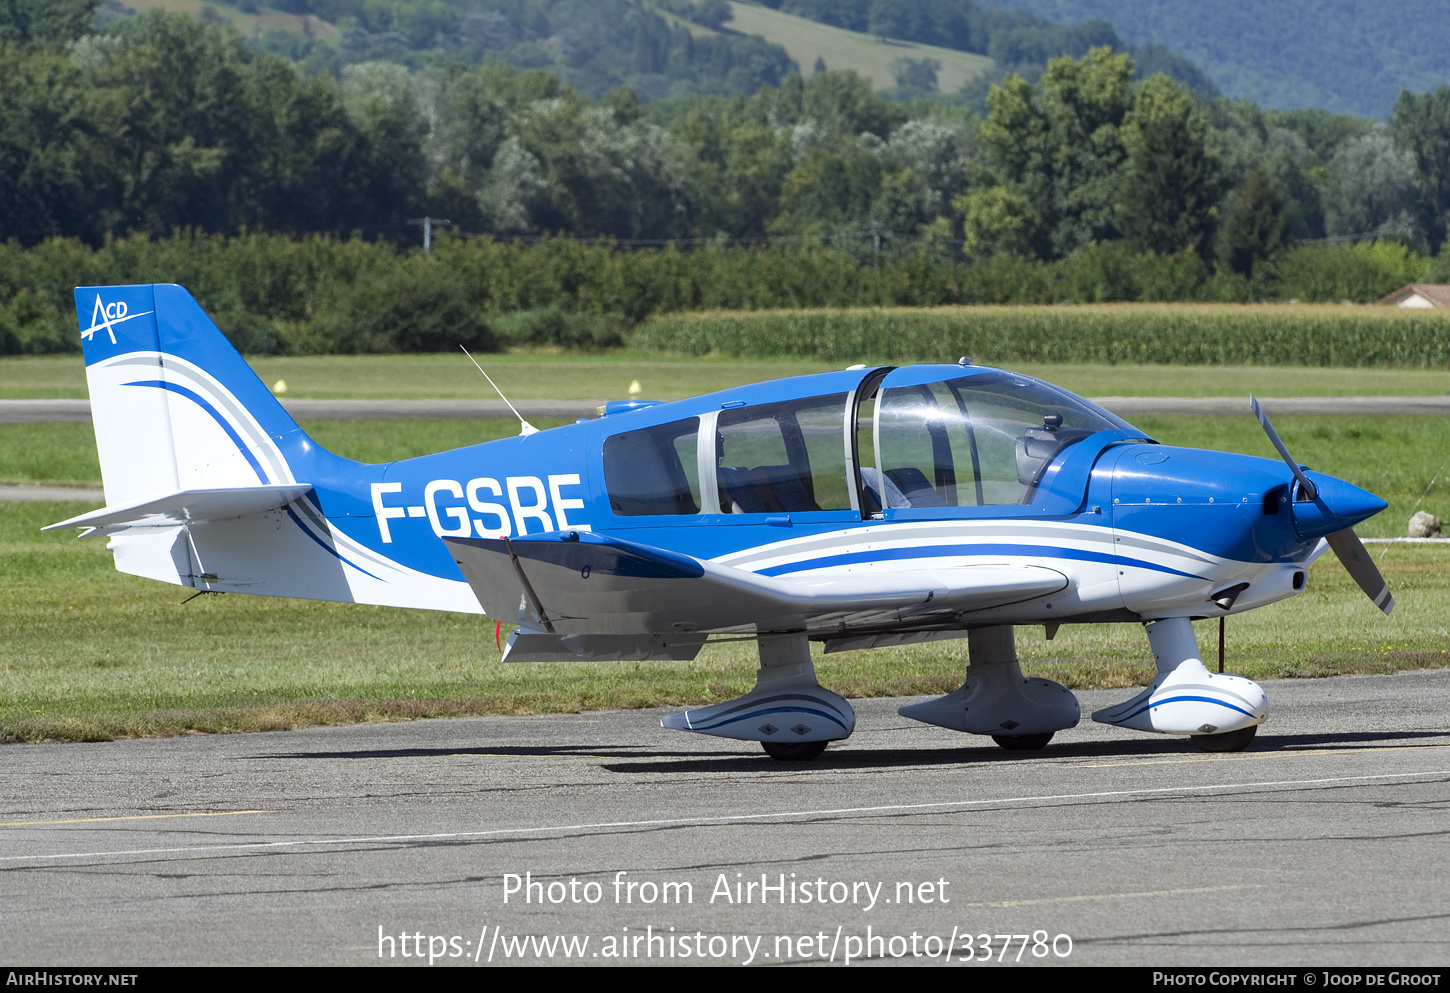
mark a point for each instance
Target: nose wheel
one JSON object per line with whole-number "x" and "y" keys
{"x": 1218, "y": 710}
{"x": 794, "y": 751}
{"x": 1229, "y": 741}
{"x": 1022, "y": 742}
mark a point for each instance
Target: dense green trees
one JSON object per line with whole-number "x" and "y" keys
{"x": 1256, "y": 228}
{"x": 1171, "y": 185}
{"x": 1084, "y": 157}
{"x": 1058, "y": 152}
{"x": 1089, "y": 183}
{"x": 274, "y": 294}
{"x": 43, "y": 138}
{"x": 1422, "y": 124}
{"x": 24, "y": 22}
{"x": 1371, "y": 190}
{"x": 735, "y": 162}
{"x": 165, "y": 122}
{"x": 592, "y": 45}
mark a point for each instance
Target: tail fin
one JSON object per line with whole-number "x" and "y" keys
{"x": 211, "y": 484}
{"x": 175, "y": 407}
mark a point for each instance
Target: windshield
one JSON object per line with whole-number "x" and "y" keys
{"x": 976, "y": 440}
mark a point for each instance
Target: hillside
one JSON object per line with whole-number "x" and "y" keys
{"x": 592, "y": 45}
{"x": 1347, "y": 56}
{"x": 803, "y": 39}
{"x": 807, "y": 41}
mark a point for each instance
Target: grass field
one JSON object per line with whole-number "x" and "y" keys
{"x": 568, "y": 376}
{"x": 523, "y": 376}
{"x": 808, "y": 40}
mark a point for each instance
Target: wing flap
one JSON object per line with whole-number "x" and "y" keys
{"x": 189, "y": 507}
{"x": 531, "y": 646}
{"x": 583, "y": 583}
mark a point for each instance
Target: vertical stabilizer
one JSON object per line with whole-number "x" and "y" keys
{"x": 174, "y": 406}
{"x": 211, "y": 484}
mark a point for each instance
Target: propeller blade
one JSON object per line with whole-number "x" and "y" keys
{"x": 1305, "y": 487}
{"x": 1346, "y": 544}
{"x": 1352, "y": 553}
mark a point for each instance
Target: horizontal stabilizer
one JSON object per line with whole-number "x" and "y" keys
{"x": 584, "y": 583}
{"x": 189, "y": 507}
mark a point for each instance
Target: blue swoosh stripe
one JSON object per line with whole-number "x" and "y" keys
{"x": 949, "y": 551}
{"x": 201, "y": 401}
{"x": 771, "y": 710}
{"x": 307, "y": 531}
{"x": 744, "y": 704}
{"x": 1185, "y": 699}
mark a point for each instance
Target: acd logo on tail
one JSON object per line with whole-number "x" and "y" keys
{"x": 106, "y": 316}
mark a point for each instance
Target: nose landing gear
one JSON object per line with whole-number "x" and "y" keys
{"x": 1221, "y": 712}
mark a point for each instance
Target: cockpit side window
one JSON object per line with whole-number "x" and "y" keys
{"x": 785, "y": 457}
{"x": 654, "y": 470}
{"x": 916, "y": 447}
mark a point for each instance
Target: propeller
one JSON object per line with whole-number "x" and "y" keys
{"x": 1319, "y": 519}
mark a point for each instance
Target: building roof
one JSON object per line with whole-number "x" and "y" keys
{"x": 1433, "y": 294}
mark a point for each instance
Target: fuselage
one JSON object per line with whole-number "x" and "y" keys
{"x": 866, "y": 471}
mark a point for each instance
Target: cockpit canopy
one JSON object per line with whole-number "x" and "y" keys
{"x": 908, "y": 439}
{"x": 984, "y": 438}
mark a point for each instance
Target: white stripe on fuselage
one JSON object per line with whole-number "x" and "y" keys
{"x": 1128, "y": 569}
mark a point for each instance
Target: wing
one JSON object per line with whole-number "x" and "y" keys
{"x": 579, "y": 583}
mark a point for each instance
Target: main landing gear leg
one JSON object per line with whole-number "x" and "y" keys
{"x": 788, "y": 712}
{"x": 1020, "y": 714}
{"x": 1221, "y": 712}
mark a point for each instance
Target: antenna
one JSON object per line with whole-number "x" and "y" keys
{"x": 525, "y": 428}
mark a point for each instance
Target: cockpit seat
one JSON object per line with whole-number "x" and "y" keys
{"x": 784, "y": 493}
{"x": 766, "y": 489}
{"x": 913, "y": 485}
{"x": 894, "y": 497}
{"x": 738, "y": 492}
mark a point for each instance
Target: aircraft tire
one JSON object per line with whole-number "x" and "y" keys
{"x": 1229, "y": 741}
{"x": 1022, "y": 742}
{"x": 794, "y": 751}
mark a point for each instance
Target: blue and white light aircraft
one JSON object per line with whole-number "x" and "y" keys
{"x": 864, "y": 508}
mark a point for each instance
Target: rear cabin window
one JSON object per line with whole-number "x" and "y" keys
{"x": 654, "y": 471}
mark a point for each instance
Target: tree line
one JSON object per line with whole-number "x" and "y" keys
{"x": 274, "y": 294}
